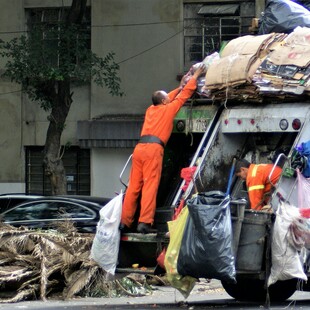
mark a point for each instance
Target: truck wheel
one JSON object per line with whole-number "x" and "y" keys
{"x": 253, "y": 289}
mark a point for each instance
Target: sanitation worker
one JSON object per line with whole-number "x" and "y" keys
{"x": 257, "y": 181}
{"x": 148, "y": 154}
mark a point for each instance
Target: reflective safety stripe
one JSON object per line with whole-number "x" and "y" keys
{"x": 252, "y": 188}
{"x": 254, "y": 170}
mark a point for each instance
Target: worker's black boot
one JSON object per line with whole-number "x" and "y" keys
{"x": 124, "y": 229}
{"x": 145, "y": 228}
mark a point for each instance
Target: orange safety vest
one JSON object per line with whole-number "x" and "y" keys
{"x": 258, "y": 183}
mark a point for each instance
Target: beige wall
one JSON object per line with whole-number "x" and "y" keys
{"x": 35, "y": 122}
{"x": 11, "y": 148}
{"x": 149, "y": 54}
{"x": 148, "y": 51}
{"x": 109, "y": 164}
{"x": 147, "y": 38}
{"x": 139, "y": 26}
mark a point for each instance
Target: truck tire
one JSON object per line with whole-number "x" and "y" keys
{"x": 253, "y": 289}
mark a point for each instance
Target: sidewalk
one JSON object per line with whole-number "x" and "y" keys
{"x": 162, "y": 295}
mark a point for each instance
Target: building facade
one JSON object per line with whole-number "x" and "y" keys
{"x": 154, "y": 42}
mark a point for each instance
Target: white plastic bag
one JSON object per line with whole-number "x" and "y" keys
{"x": 105, "y": 246}
{"x": 286, "y": 262}
{"x": 303, "y": 191}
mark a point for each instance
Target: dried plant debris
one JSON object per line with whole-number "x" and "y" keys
{"x": 55, "y": 264}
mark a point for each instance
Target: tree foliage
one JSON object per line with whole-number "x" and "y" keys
{"x": 46, "y": 62}
{"x": 48, "y": 55}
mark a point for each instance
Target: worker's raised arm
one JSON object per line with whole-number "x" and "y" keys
{"x": 187, "y": 90}
{"x": 200, "y": 70}
{"x": 174, "y": 93}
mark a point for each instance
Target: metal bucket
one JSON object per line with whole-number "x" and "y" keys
{"x": 251, "y": 246}
{"x": 237, "y": 208}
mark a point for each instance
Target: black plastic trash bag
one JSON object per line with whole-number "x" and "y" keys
{"x": 283, "y": 16}
{"x": 304, "y": 3}
{"x": 206, "y": 248}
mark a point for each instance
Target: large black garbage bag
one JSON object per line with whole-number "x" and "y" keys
{"x": 304, "y": 3}
{"x": 206, "y": 248}
{"x": 283, "y": 16}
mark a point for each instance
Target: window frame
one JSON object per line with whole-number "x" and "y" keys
{"x": 195, "y": 29}
{"x": 76, "y": 162}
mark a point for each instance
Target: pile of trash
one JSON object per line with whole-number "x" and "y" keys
{"x": 55, "y": 264}
{"x": 255, "y": 67}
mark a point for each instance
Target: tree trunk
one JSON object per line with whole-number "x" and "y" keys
{"x": 62, "y": 99}
{"x": 52, "y": 153}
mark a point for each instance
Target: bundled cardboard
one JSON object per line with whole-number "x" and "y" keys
{"x": 275, "y": 64}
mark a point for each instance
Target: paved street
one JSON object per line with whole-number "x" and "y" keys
{"x": 204, "y": 296}
{"x": 162, "y": 295}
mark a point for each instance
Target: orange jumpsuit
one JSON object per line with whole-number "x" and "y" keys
{"x": 147, "y": 158}
{"x": 258, "y": 184}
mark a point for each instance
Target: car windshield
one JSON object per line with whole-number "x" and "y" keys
{"x": 48, "y": 210}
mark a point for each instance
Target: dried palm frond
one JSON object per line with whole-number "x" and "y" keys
{"x": 54, "y": 267}
{"x": 14, "y": 241}
{"x": 36, "y": 263}
{"x": 53, "y": 286}
{"x": 33, "y": 280}
{"x": 82, "y": 245}
{"x": 100, "y": 287}
{"x": 6, "y": 257}
{"x": 14, "y": 273}
{"x": 43, "y": 279}
{"x": 53, "y": 242}
{"x": 22, "y": 295}
{"x": 64, "y": 226}
{"x": 21, "y": 260}
{"x": 83, "y": 278}
{"x": 68, "y": 258}
{"x": 20, "y": 242}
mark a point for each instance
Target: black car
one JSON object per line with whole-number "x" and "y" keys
{"x": 7, "y": 201}
{"x": 46, "y": 211}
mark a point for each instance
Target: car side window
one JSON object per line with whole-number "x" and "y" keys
{"x": 27, "y": 212}
{"x": 48, "y": 210}
{"x": 72, "y": 210}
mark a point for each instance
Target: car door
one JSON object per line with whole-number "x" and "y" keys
{"x": 45, "y": 214}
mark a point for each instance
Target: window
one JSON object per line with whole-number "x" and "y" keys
{"x": 77, "y": 165}
{"x": 49, "y": 21}
{"x": 207, "y": 27}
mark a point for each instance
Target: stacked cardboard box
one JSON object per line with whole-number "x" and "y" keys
{"x": 251, "y": 67}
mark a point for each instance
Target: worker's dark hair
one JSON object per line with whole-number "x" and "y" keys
{"x": 241, "y": 163}
{"x": 157, "y": 97}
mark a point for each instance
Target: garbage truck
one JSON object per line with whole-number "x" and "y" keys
{"x": 257, "y": 107}
{"x": 265, "y": 133}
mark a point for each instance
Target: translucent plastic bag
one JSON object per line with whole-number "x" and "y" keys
{"x": 105, "y": 246}
{"x": 286, "y": 262}
{"x": 303, "y": 191}
{"x": 299, "y": 235}
{"x": 184, "y": 284}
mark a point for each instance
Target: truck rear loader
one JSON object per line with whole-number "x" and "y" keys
{"x": 216, "y": 135}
